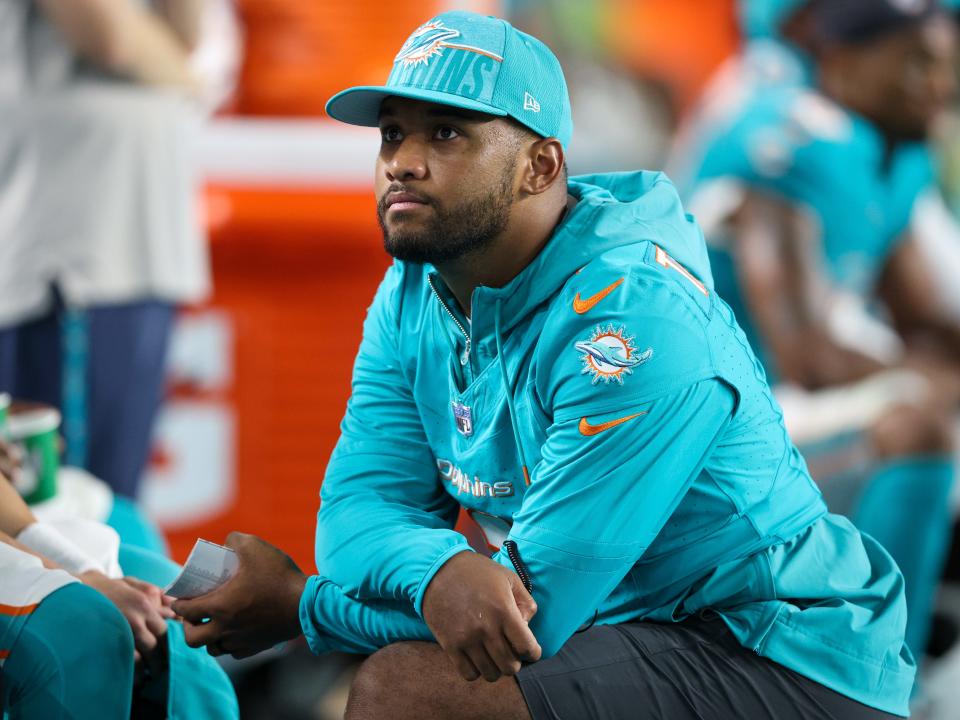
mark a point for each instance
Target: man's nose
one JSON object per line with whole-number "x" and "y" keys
{"x": 408, "y": 161}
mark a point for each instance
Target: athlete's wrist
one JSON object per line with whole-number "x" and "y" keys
{"x": 50, "y": 544}
{"x": 294, "y": 591}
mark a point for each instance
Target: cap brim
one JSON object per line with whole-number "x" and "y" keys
{"x": 361, "y": 105}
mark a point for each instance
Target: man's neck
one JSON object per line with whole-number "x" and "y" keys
{"x": 506, "y": 257}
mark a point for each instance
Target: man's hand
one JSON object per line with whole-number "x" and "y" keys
{"x": 478, "y": 611}
{"x": 143, "y": 606}
{"x": 258, "y": 608}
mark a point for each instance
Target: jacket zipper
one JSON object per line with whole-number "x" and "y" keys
{"x": 465, "y": 355}
{"x": 514, "y": 554}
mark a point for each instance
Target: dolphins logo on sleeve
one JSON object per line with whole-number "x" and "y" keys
{"x": 610, "y": 354}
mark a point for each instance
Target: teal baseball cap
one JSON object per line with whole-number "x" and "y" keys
{"x": 475, "y": 62}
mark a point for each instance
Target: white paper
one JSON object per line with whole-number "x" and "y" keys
{"x": 208, "y": 567}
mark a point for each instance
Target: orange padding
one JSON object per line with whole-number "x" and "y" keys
{"x": 278, "y": 214}
{"x": 17, "y": 610}
{"x": 297, "y": 53}
{"x": 679, "y": 43}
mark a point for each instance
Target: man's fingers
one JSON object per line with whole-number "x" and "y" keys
{"x": 521, "y": 639}
{"x": 527, "y": 607}
{"x": 203, "y": 606}
{"x": 155, "y": 623}
{"x": 214, "y": 649}
{"x": 525, "y": 602}
{"x": 237, "y": 540}
{"x": 149, "y": 589}
{"x": 465, "y": 667}
{"x": 503, "y": 655}
{"x": 154, "y": 595}
{"x": 196, "y": 610}
{"x": 199, "y": 634}
{"x": 484, "y": 663}
{"x": 143, "y": 640}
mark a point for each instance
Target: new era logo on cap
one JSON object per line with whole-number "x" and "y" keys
{"x": 530, "y": 103}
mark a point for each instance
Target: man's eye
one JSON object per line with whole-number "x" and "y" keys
{"x": 446, "y": 133}
{"x": 390, "y": 134}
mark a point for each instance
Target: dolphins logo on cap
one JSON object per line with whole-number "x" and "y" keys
{"x": 430, "y": 39}
{"x": 426, "y": 41}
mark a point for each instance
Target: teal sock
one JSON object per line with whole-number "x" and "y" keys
{"x": 906, "y": 508}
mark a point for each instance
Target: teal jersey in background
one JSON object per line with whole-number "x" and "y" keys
{"x": 661, "y": 478}
{"x": 789, "y": 141}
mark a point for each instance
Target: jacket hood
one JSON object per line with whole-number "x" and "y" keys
{"x": 613, "y": 210}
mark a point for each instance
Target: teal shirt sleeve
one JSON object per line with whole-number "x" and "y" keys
{"x": 574, "y": 562}
{"x": 620, "y": 453}
{"x": 596, "y": 503}
{"x": 385, "y": 524}
{"x": 332, "y": 621}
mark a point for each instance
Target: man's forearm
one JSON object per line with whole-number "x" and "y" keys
{"x": 333, "y": 621}
{"x": 777, "y": 254}
{"x": 377, "y": 549}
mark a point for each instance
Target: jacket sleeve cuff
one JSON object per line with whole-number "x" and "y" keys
{"x": 437, "y": 564}
{"x": 317, "y": 640}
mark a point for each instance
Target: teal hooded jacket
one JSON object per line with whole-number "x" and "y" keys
{"x": 603, "y": 411}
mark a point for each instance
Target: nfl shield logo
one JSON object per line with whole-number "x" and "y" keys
{"x": 463, "y": 418}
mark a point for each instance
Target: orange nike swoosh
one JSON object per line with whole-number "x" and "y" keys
{"x": 581, "y": 306}
{"x": 587, "y": 429}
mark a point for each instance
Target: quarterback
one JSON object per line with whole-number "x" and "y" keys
{"x": 549, "y": 354}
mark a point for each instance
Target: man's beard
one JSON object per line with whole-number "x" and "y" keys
{"x": 452, "y": 233}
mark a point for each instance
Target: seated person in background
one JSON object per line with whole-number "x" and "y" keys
{"x": 806, "y": 187}
{"x": 67, "y": 650}
{"x": 550, "y": 354}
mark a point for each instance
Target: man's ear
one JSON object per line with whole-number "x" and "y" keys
{"x": 542, "y": 166}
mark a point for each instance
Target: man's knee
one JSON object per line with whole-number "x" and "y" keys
{"x": 910, "y": 431}
{"x": 417, "y": 680}
{"x": 394, "y": 681}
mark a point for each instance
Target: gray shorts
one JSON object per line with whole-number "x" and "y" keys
{"x": 694, "y": 670}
